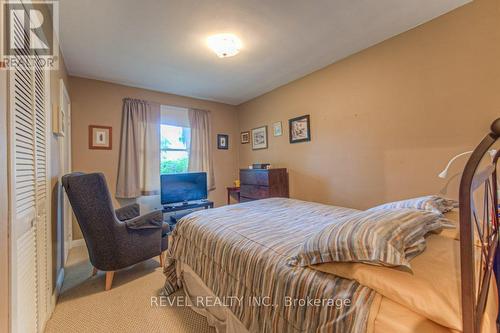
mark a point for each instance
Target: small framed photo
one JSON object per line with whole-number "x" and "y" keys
{"x": 245, "y": 137}
{"x": 277, "y": 130}
{"x": 259, "y": 138}
{"x": 300, "y": 129}
{"x": 100, "y": 137}
{"x": 222, "y": 141}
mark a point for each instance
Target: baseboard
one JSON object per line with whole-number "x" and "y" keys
{"x": 77, "y": 242}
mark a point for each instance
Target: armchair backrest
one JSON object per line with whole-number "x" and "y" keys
{"x": 91, "y": 202}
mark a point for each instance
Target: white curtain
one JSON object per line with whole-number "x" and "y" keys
{"x": 139, "y": 162}
{"x": 200, "y": 153}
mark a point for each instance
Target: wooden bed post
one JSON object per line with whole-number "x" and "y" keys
{"x": 474, "y": 295}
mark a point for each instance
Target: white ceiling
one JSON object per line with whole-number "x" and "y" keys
{"x": 160, "y": 45}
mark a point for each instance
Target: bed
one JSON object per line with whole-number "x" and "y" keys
{"x": 233, "y": 263}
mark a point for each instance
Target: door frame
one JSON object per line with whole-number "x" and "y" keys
{"x": 48, "y": 204}
{"x": 4, "y": 212}
{"x": 65, "y": 167}
{"x": 4, "y": 206}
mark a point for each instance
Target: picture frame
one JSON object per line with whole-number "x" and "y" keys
{"x": 245, "y": 137}
{"x": 58, "y": 120}
{"x": 300, "y": 129}
{"x": 277, "y": 129}
{"x": 61, "y": 112}
{"x": 222, "y": 141}
{"x": 259, "y": 138}
{"x": 100, "y": 137}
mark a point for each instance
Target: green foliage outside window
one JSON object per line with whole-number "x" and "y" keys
{"x": 174, "y": 148}
{"x": 174, "y": 166}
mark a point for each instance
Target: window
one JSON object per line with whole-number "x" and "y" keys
{"x": 174, "y": 149}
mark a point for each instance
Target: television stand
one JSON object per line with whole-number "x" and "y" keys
{"x": 175, "y": 207}
{"x": 181, "y": 206}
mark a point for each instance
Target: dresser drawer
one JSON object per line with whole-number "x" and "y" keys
{"x": 254, "y": 177}
{"x": 254, "y": 191}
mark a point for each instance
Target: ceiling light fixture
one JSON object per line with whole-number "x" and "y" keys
{"x": 224, "y": 45}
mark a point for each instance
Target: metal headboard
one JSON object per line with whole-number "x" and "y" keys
{"x": 482, "y": 224}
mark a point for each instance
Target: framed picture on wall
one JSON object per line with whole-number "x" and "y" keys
{"x": 277, "y": 131}
{"x": 245, "y": 137}
{"x": 259, "y": 138}
{"x": 222, "y": 141}
{"x": 100, "y": 137}
{"x": 300, "y": 129}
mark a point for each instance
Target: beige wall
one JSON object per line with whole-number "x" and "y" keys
{"x": 386, "y": 120}
{"x": 100, "y": 103}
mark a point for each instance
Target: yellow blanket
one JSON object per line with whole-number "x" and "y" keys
{"x": 431, "y": 290}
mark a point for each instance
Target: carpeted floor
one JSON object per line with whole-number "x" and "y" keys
{"x": 84, "y": 306}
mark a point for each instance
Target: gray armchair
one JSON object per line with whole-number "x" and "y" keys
{"x": 115, "y": 238}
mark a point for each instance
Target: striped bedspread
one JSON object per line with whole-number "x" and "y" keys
{"x": 241, "y": 252}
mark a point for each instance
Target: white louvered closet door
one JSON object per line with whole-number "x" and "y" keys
{"x": 42, "y": 193}
{"x": 23, "y": 204}
{"x": 29, "y": 193}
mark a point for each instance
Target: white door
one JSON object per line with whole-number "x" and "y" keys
{"x": 43, "y": 235}
{"x": 29, "y": 198}
{"x": 22, "y": 179}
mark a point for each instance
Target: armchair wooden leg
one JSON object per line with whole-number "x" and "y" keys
{"x": 94, "y": 271}
{"x": 109, "y": 279}
{"x": 161, "y": 259}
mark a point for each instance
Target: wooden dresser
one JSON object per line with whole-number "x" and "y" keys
{"x": 261, "y": 183}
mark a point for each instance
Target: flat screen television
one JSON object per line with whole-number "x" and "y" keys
{"x": 182, "y": 187}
